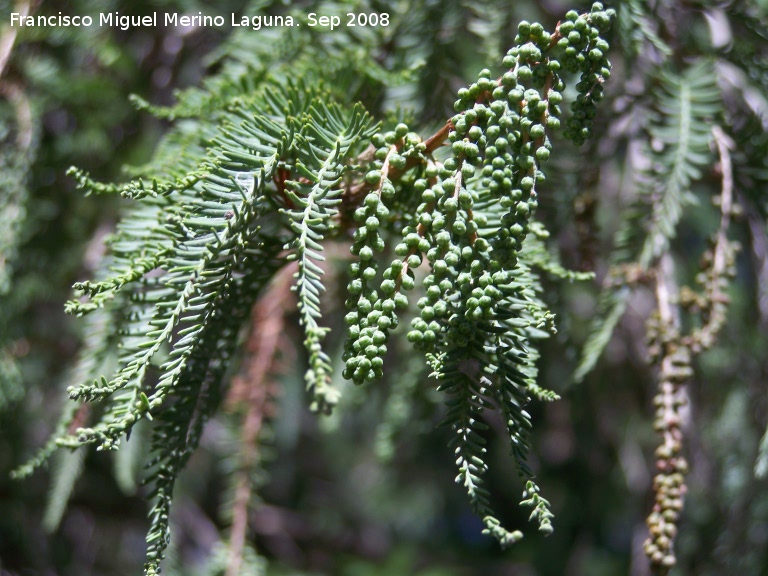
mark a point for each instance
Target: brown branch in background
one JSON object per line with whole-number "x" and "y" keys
{"x": 673, "y": 353}
{"x": 23, "y": 113}
{"x": 666, "y": 290}
{"x": 759, "y": 243}
{"x": 674, "y": 358}
{"x": 80, "y": 419}
{"x": 585, "y": 222}
{"x": 281, "y": 178}
{"x": 7, "y": 40}
{"x": 718, "y": 260}
{"x": 251, "y": 389}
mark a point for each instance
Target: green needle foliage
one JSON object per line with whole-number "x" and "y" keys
{"x": 280, "y": 168}
{"x": 304, "y": 144}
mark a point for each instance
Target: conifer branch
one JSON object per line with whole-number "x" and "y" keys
{"x": 719, "y": 258}
{"x": 674, "y": 360}
{"x": 273, "y": 159}
{"x": 270, "y": 170}
{"x": 684, "y": 104}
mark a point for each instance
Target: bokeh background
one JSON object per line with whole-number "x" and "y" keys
{"x": 345, "y": 494}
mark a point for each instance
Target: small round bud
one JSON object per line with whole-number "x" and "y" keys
{"x": 555, "y": 97}
{"x": 537, "y": 131}
{"x": 373, "y": 177}
{"x": 527, "y": 183}
{"x": 369, "y": 274}
{"x": 398, "y": 162}
{"x": 372, "y": 223}
{"x": 414, "y": 336}
{"x": 433, "y": 292}
{"x": 450, "y": 205}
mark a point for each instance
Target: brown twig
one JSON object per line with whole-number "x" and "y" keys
{"x": 7, "y": 40}
{"x": 253, "y": 390}
{"x": 356, "y": 192}
{"x": 23, "y": 110}
{"x": 675, "y": 371}
{"x": 438, "y": 138}
{"x": 759, "y": 243}
{"x": 721, "y": 253}
{"x": 80, "y": 419}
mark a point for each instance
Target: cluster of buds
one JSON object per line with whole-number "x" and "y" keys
{"x": 669, "y": 482}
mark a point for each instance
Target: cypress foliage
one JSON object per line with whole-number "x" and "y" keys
{"x": 275, "y": 162}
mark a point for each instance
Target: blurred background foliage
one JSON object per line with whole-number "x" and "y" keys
{"x": 369, "y": 491}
